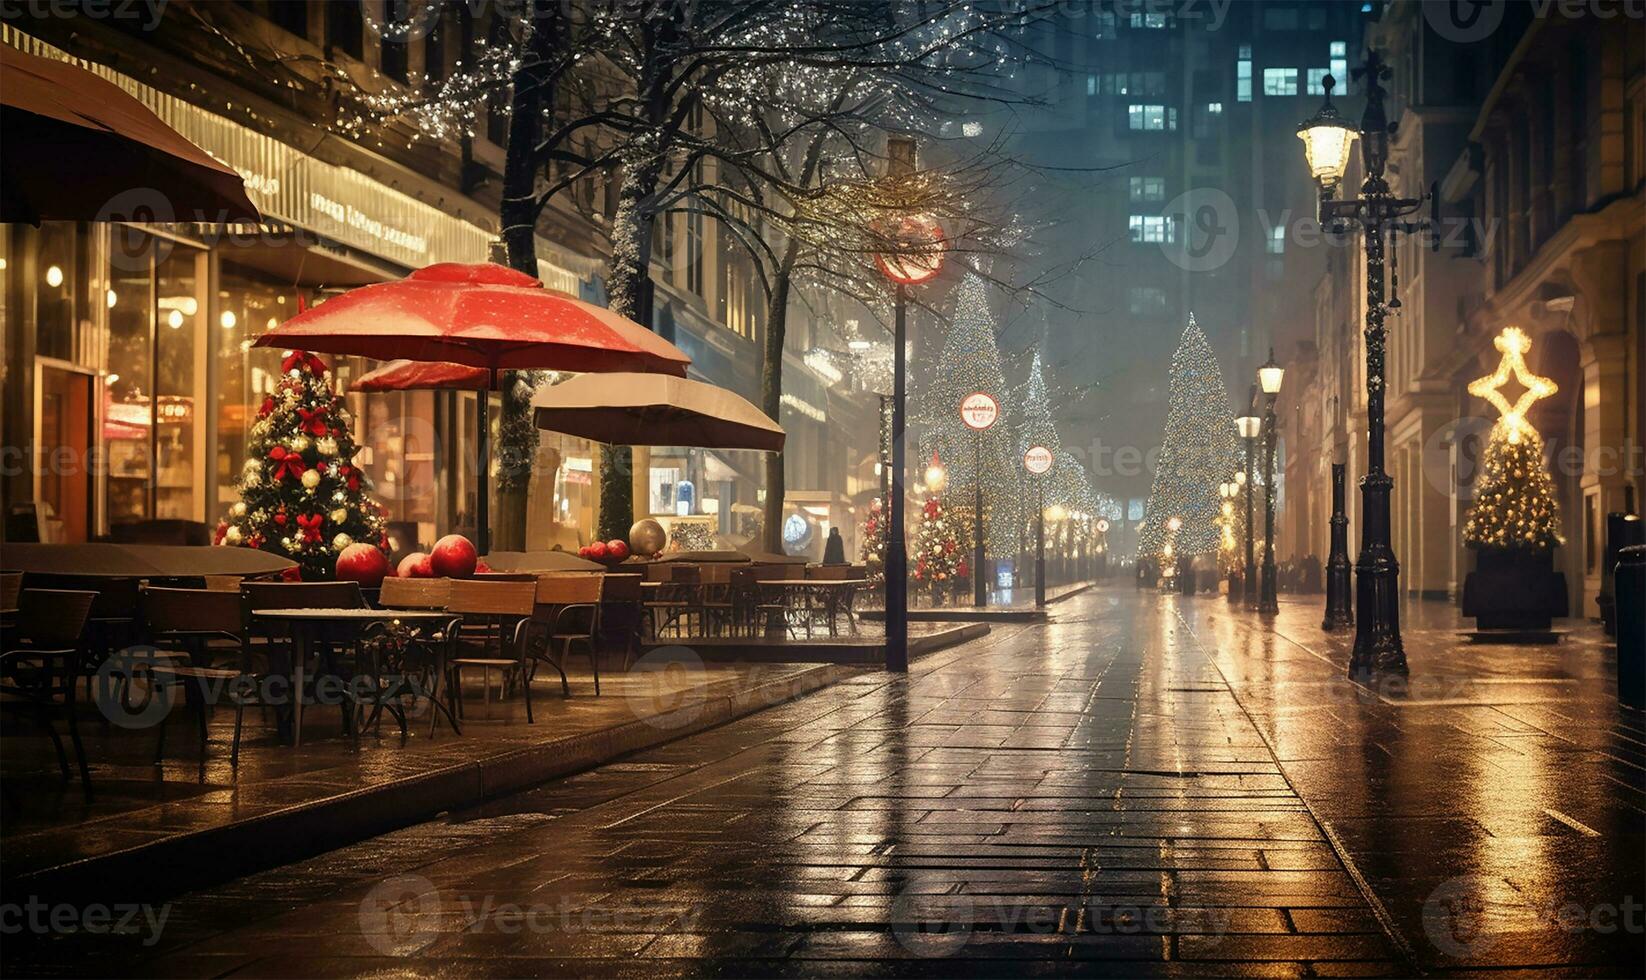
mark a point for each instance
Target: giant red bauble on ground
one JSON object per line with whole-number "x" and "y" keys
{"x": 453, "y": 556}
{"x": 363, "y": 563}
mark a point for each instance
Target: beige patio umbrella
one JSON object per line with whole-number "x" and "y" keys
{"x": 654, "y": 410}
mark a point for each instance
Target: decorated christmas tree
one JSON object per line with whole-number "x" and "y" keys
{"x": 936, "y": 555}
{"x": 301, "y": 495}
{"x": 971, "y": 362}
{"x": 873, "y": 549}
{"x": 1068, "y": 485}
{"x": 1197, "y": 454}
{"x": 1515, "y": 504}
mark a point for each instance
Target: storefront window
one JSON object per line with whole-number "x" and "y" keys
{"x": 129, "y": 381}
{"x": 181, "y": 310}
{"x": 249, "y": 304}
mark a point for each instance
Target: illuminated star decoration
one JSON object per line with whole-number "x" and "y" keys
{"x": 1513, "y": 344}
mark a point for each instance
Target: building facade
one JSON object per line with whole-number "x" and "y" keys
{"x": 1532, "y": 137}
{"x": 129, "y": 372}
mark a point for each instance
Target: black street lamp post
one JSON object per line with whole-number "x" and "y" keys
{"x": 1269, "y": 378}
{"x": 1327, "y": 139}
{"x": 1338, "y": 614}
{"x": 1248, "y": 426}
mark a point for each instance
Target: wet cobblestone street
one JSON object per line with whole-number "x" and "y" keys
{"x": 1144, "y": 785}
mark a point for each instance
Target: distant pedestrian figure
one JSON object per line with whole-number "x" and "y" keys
{"x": 834, "y": 549}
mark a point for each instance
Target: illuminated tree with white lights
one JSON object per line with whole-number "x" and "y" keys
{"x": 1197, "y": 453}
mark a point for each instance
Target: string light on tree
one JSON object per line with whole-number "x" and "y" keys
{"x": 1515, "y": 505}
{"x": 1197, "y": 453}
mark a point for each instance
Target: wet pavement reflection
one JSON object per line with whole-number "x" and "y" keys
{"x": 1144, "y": 785}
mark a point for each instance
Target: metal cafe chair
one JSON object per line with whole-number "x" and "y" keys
{"x": 493, "y": 613}
{"x": 427, "y": 654}
{"x": 621, "y": 614}
{"x": 42, "y": 671}
{"x": 568, "y": 608}
{"x": 677, "y": 600}
{"x": 276, "y": 641}
{"x": 204, "y": 625}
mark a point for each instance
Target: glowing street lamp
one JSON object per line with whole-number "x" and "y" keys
{"x": 915, "y": 258}
{"x": 1249, "y": 426}
{"x": 1269, "y": 377}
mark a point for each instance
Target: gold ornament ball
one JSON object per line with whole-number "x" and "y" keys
{"x": 311, "y": 479}
{"x": 647, "y": 538}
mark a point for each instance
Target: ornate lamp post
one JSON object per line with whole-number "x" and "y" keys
{"x": 917, "y": 259}
{"x": 1327, "y": 139}
{"x": 1038, "y": 461}
{"x": 1338, "y": 614}
{"x": 1269, "y": 377}
{"x": 1249, "y": 425}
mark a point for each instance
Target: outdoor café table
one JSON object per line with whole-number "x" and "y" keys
{"x": 831, "y": 591}
{"x": 309, "y": 626}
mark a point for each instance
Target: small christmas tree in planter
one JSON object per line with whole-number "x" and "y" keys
{"x": 301, "y": 495}
{"x": 1514, "y": 526}
{"x": 938, "y": 558}
{"x": 873, "y": 549}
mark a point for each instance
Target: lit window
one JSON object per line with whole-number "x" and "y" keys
{"x": 1151, "y": 118}
{"x": 1150, "y": 21}
{"x": 1317, "y": 81}
{"x": 1243, "y": 75}
{"x": 1277, "y": 240}
{"x": 1340, "y": 73}
{"x": 1280, "y": 81}
{"x": 1152, "y": 228}
{"x": 1091, "y": 84}
{"x": 1146, "y": 300}
{"x": 1340, "y": 49}
{"x": 1147, "y": 188}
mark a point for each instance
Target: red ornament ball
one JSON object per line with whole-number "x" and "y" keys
{"x": 597, "y": 551}
{"x": 416, "y": 565}
{"x": 454, "y": 556}
{"x": 617, "y": 549}
{"x": 363, "y": 563}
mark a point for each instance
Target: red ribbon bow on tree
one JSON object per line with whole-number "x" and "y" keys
{"x": 303, "y": 360}
{"x": 286, "y": 463}
{"x": 312, "y": 421}
{"x": 350, "y": 474}
{"x": 310, "y": 526}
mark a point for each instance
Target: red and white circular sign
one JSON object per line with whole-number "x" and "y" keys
{"x": 1037, "y": 460}
{"x": 979, "y": 410}
{"x": 1102, "y": 525}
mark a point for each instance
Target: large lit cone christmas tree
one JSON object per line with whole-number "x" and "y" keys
{"x": 301, "y": 495}
{"x": 1514, "y": 526}
{"x": 1197, "y": 454}
{"x": 970, "y": 362}
{"x": 938, "y": 560}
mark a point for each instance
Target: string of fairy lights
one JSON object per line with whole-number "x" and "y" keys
{"x": 1515, "y": 505}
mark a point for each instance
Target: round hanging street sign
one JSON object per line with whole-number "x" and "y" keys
{"x": 1037, "y": 460}
{"x": 979, "y": 410}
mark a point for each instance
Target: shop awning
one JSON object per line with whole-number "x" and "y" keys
{"x": 78, "y": 147}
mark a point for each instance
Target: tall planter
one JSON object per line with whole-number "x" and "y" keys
{"x": 1515, "y": 589}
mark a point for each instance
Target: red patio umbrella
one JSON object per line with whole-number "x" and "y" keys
{"x": 78, "y": 147}
{"x": 484, "y": 316}
{"x": 404, "y": 375}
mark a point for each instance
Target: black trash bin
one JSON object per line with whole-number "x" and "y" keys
{"x": 1630, "y": 581}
